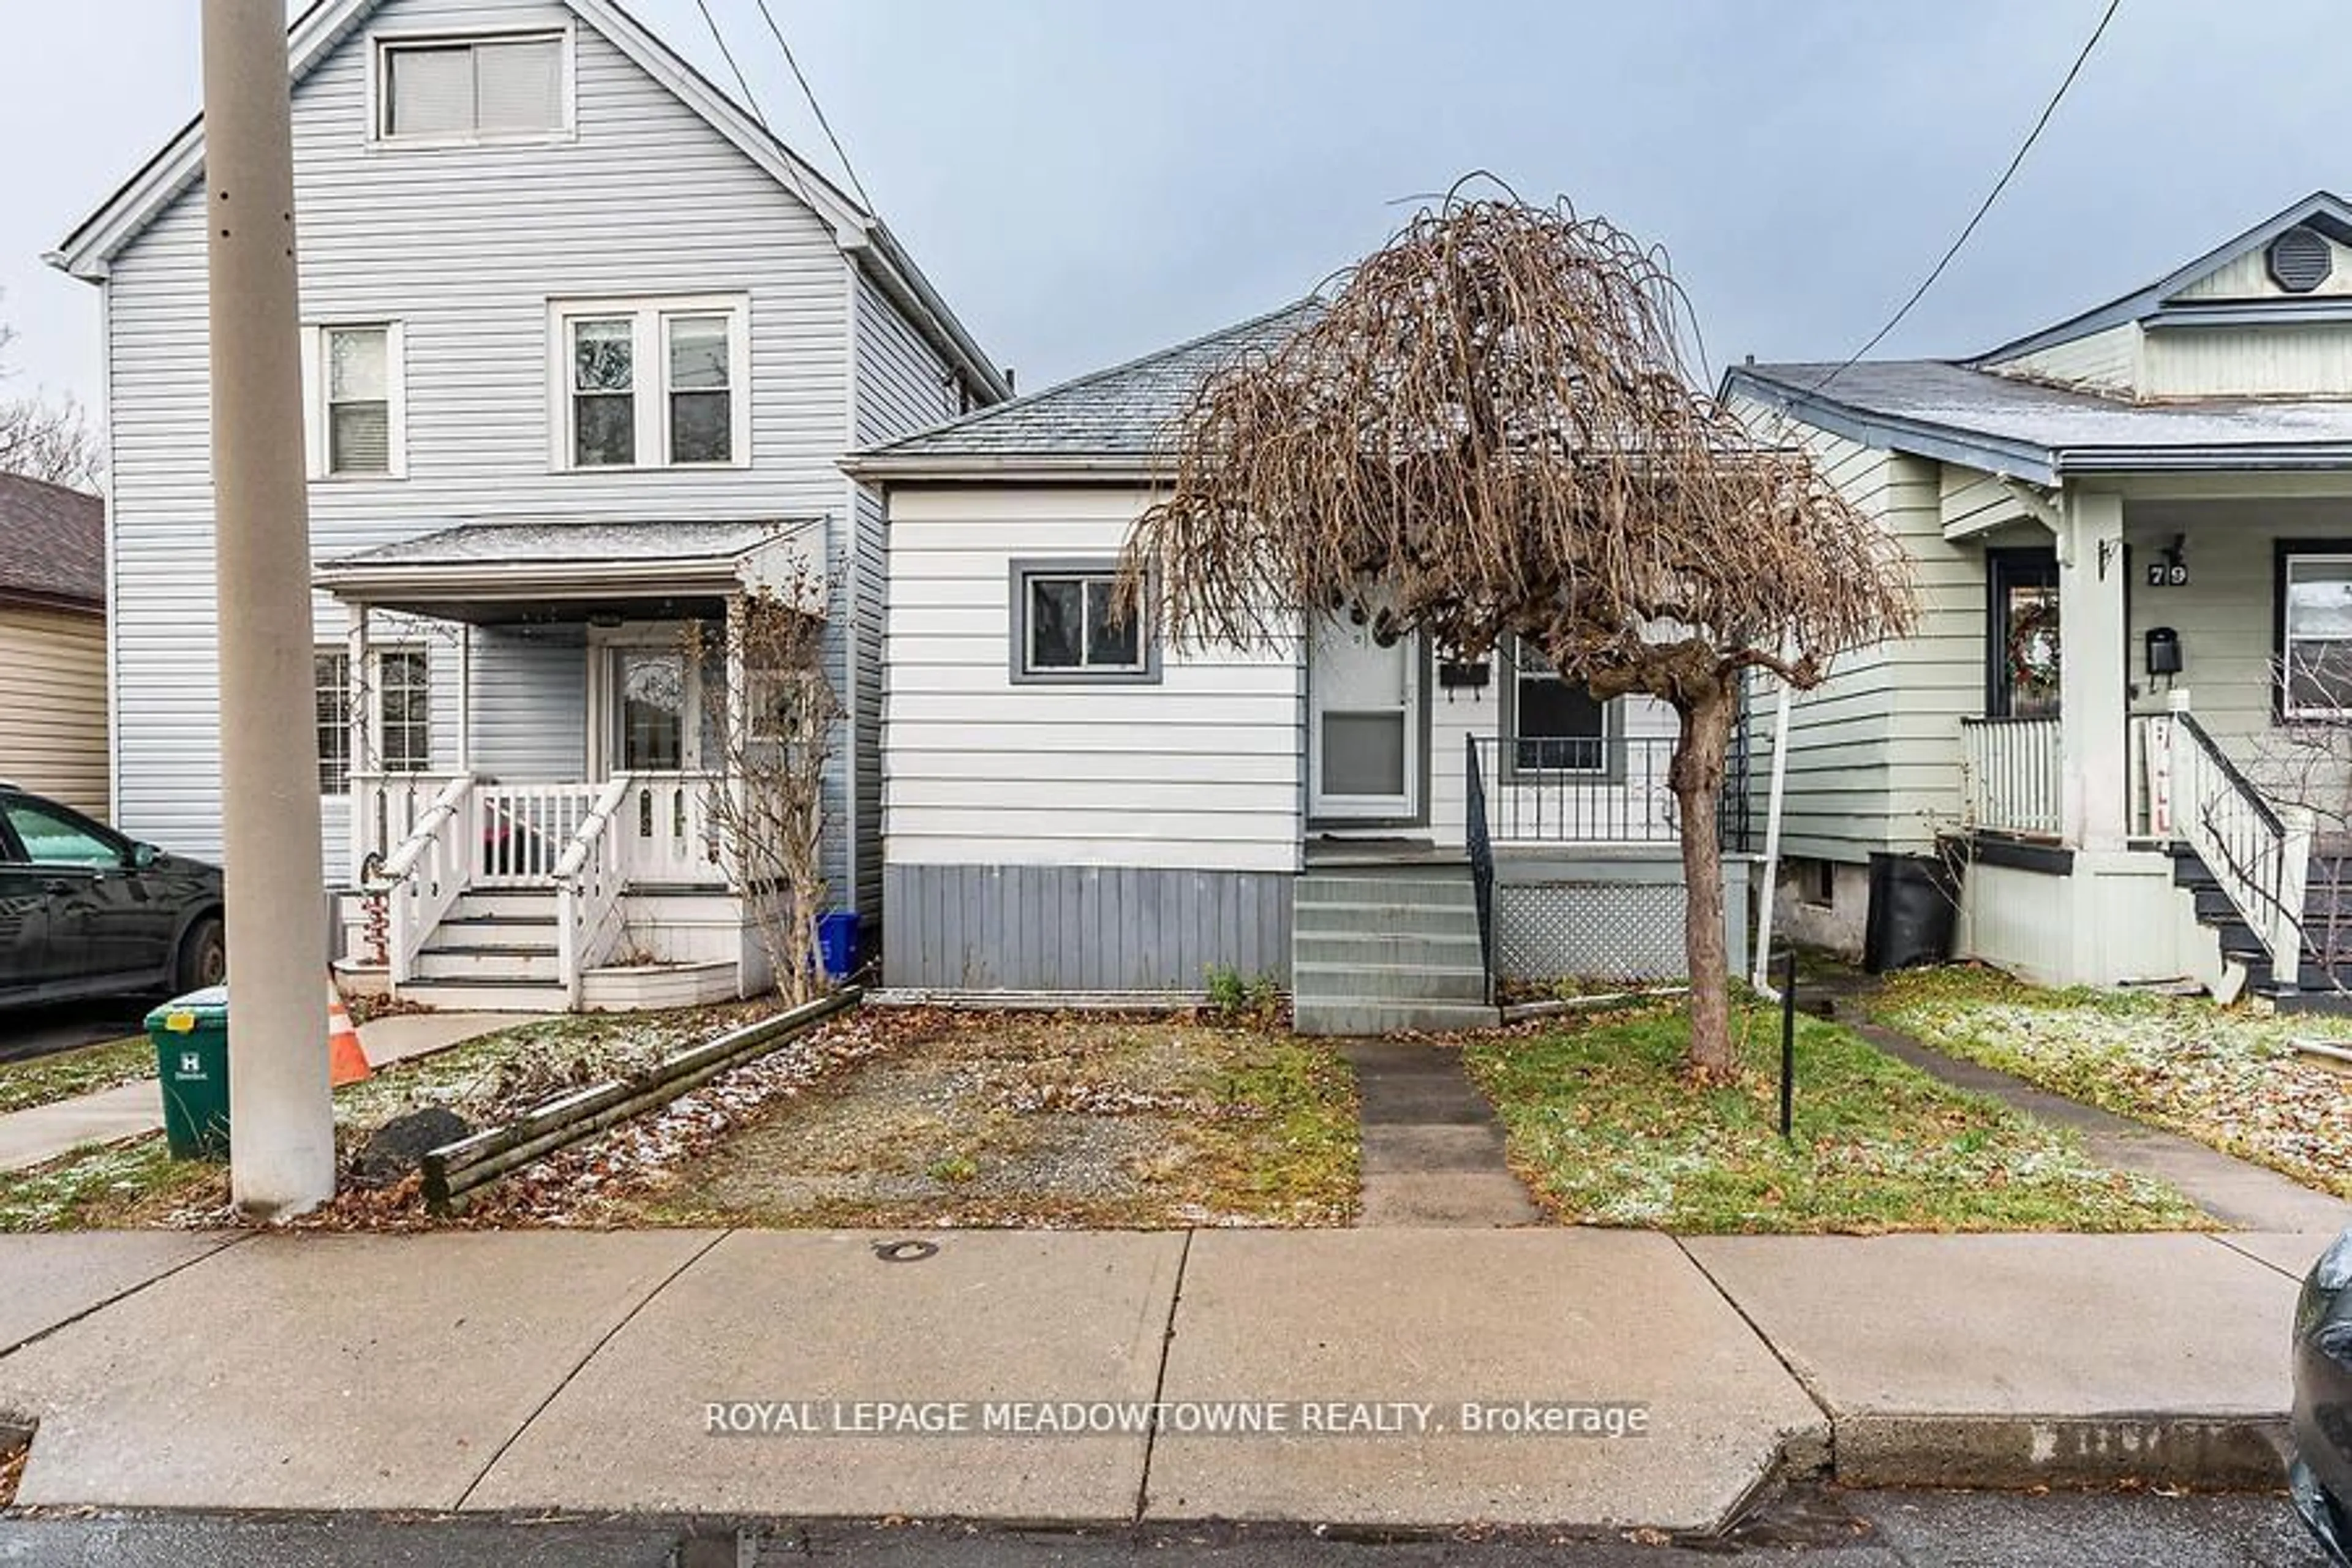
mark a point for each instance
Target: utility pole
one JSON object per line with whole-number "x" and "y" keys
{"x": 282, "y": 1123}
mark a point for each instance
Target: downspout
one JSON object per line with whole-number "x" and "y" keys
{"x": 1761, "y": 959}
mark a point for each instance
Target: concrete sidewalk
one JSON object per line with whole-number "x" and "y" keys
{"x": 33, "y": 1137}
{"x": 529, "y": 1370}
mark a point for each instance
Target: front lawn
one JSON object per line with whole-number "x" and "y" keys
{"x": 63, "y": 1075}
{"x": 2227, "y": 1078}
{"x": 1010, "y": 1119}
{"x": 1604, "y": 1128}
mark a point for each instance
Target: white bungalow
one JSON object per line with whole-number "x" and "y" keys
{"x": 2133, "y": 534}
{"x": 585, "y": 346}
{"x": 1074, "y": 808}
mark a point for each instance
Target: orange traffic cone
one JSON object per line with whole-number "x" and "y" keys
{"x": 346, "y": 1062}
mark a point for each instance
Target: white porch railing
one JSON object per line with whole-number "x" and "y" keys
{"x": 2013, "y": 775}
{"x": 665, "y": 832}
{"x": 2191, "y": 793}
{"x": 588, "y": 883}
{"x": 525, "y": 829}
{"x": 423, "y": 874}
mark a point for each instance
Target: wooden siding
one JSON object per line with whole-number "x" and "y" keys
{"x": 1875, "y": 750}
{"x": 2106, "y": 360}
{"x": 2305, "y": 358}
{"x": 53, "y": 705}
{"x": 1202, "y": 771}
{"x": 464, "y": 246}
{"x": 1082, "y": 928}
{"x": 1454, "y": 715}
{"x": 2248, "y": 277}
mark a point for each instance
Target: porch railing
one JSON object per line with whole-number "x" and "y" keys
{"x": 667, "y": 831}
{"x": 516, "y": 834}
{"x": 2012, "y": 776}
{"x": 1614, "y": 790}
{"x": 588, "y": 884}
{"x": 1482, "y": 859}
{"x": 2193, "y": 793}
{"x": 424, "y": 875}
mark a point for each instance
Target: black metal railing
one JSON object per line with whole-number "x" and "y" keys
{"x": 1481, "y": 861}
{"x": 1614, "y": 790}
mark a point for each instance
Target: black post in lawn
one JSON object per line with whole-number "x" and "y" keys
{"x": 1788, "y": 1042}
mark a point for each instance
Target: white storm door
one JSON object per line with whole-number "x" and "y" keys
{"x": 1363, "y": 724}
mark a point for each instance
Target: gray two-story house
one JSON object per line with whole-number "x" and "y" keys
{"x": 583, "y": 346}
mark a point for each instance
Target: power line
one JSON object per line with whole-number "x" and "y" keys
{"x": 1986, "y": 206}
{"x": 751, "y": 99}
{"x": 818, "y": 108}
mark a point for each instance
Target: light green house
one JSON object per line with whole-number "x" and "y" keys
{"x": 2122, "y": 714}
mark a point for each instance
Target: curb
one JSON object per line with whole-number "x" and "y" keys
{"x": 2210, "y": 1453}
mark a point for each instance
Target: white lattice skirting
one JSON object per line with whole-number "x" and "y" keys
{"x": 1599, "y": 930}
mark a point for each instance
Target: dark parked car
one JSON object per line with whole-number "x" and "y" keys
{"x": 84, "y": 911}
{"x": 2320, "y": 1471}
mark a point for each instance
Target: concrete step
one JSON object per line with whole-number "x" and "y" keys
{"x": 520, "y": 933}
{"x": 1428, "y": 892}
{"x": 530, "y": 903}
{"x": 1389, "y": 1017}
{"x": 1447, "y": 948}
{"x": 482, "y": 996}
{"x": 1386, "y": 920}
{"x": 486, "y": 965}
{"x": 1386, "y": 982}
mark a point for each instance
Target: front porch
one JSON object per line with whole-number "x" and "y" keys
{"x": 543, "y": 831}
{"x": 2164, "y": 802}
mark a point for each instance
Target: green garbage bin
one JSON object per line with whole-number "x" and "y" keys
{"x": 191, "y": 1036}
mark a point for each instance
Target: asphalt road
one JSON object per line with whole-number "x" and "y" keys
{"x": 1828, "y": 1530}
{"x": 37, "y": 1031}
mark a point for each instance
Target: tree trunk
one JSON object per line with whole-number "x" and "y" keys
{"x": 1696, "y": 778}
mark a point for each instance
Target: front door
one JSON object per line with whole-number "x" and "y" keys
{"x": 2022, "y": 640}
{"x": 1363, "y": 725}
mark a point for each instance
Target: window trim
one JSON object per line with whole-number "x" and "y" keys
{"x": 1018, "y": 666}
{"x": 1612, "y": 728}
{"x": 2285, "y": 553}
{"x": 316, "y": 385}
{"x": 376, "y": 650}
{"x": 382, "y": 44}
{"x": 648, "y": 346}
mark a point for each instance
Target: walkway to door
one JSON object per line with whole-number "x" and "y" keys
{"x": 1432, "y": 1151}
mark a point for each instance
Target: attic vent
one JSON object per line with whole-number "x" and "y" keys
{"x": 2300, "y": 260}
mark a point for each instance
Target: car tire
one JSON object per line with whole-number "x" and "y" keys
{"x": 204, "y": 955}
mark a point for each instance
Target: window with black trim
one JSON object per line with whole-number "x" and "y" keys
{"x": 2315, "y": 635}
{"x": 1556, "y": 726}
{"x": 1067, "y": 626}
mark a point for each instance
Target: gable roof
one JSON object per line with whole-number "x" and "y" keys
{"x": 52, "y": 545}
{"x": 320, "y": 30}
{"x": 2322, "y": 210}
{"x": 1111, "y": 422}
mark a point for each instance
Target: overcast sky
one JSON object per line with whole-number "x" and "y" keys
{"x": 1086, "y": 180}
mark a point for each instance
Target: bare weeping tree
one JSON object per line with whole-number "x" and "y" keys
{"x": 774, "y": 739}
{"x": 1490, "y": 431}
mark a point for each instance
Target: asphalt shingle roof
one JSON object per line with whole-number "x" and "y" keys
{"x": 52, "y": 542}
{"x": 1121, "y": 412}
{"x": 491, "y": 543}
{"x": 1938, "y": 395}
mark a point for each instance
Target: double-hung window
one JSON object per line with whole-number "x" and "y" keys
{"x": 657, "y": 383}
{"x": 399, "y": 712}
{"x": 1556, "y": 725}
{"x": 357, "y": 395}
{"x": 1068, "y": 625}
{"x": 501, "y": 87}
{"x": 2315, "y": 635}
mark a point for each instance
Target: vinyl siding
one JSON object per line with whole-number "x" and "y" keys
{"x": 464, "y": 246}
{"x": 2308, "y": 359}
{"x": 530, "y": 703}
{"x": 1455, "y": 715}
{"x": 1874, "y": 750}
{"x": 2106, "y": 360}
{"x": 1201, "y": 771}
{"x": 903, "y": 386}
{"x": 53, "y": 705}
{"x": 2248, "y": 277}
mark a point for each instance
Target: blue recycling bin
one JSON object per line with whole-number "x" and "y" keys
{"x": 836, "y": 942}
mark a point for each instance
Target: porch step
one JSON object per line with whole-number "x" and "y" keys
{"x": 1406, "y": 982}
{"x": 516, "y": 933}
{"x": 1349, "y": 918}
{"x": 527, "y": 903}
{"x": 1445, "y": 947}
{"x": 488, "y": 996}
{"x": 1389, "y": 1017}
{"x": 487, "y": 965}
{"x": 1378, "y": 948}
{"x": 1449, "y": 892}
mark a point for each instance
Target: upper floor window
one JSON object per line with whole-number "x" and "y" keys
{"x": 651, "y": 383}
{"x": 357, "y": 400}
{"x": 503, "y": 87}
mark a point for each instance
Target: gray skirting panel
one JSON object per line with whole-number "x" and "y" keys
{"x": 1080, "y": 928}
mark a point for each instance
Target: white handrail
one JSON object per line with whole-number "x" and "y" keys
{"x": 2259, "y": 856}
{"x": 588, "y": 890}
{"x": 424, "y": 876}
{"x": 403, "y": 860}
